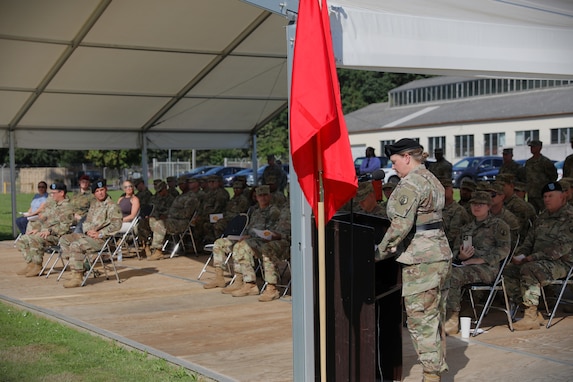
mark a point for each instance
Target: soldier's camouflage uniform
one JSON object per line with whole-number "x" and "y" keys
{"x": 513, "y": 168}
{"x": 442, "y": 169}
{"x": 454, "y": 217}
{"x": 161, "y": 205}
{"x": 104, "y": 217}
{"x": 245, "y": 251}
{"x": 274, "y": 251}
{"x": 512, "y": 221}
{"x": 214, "y": 202}
{"x": 523, "y": 211}
{"x": 418, "y": 200}
{"x": 57, "y": 219}
{"x": 550, "y": 242}
{"x": 144, "y": 196}
{"x": 178, "y": 219}
{"x": 539, "y": 172}
{"x": 81, "y": 202}
{"x": 491, "y": 239}
{"x": 237, "y": 205}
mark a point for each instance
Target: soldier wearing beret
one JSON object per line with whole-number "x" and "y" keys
{"x": 544, "y": 255}
{"x": 418, "y": 241}
{"x": 103, "y": 220}
{"x": 55, "y": 221}
{"x": 454, "y": 216}
{"x": 490, "y": 244}
{"x": 539, "y": 170}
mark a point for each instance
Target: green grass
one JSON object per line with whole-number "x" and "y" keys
{"x": 36, "y": 349}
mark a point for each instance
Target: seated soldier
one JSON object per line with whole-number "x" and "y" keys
{"x": 214, "y": 204}
{"x": 81, "y": 200}
{"x": 161, "y": 202}
{"x": 238, "y": 204}
{"x": 178, "y": 219}
{"x": 103, "y": 220}
{"x": 56, "y": 221}
{"x": 544, "y": 255}
{"x": 478, "y": 261}
{"x": 263, "y": 220}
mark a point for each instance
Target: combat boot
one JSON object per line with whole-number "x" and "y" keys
{"x": 218, "y": 281}
{"x": 157, "y": 255}
{"x": 452, "y": 324}
{"x": 540, "y": 319}
{"x": 431, "y": 377}
{"x": 248, "y": 289}
{"x": 76, "y": 280}
{"x": 271, "y": 293}
{"x": 34, "y": 270}
{"x": 236, "y": 285}
{"x": 529, "y": 320}
{"x": 24, "y": 270}
{"x": 146, "y": 250}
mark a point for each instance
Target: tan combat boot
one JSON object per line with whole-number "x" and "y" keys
{"x": 452, "y": 324}
{"x": 431, "y": 377}
{"x": 248, "y": 289}
{"x": 146, "y": 250}
{"x": 157, "y": 255}
{"x": 34, "y": 270}
{"x": 236, "y": 285}
{"x": 76, "y": 280}
{"x": 529, "y": 320}
{"x": 218, "y": 281}
{"x": 24, "y": 270}
{"x": 540, "y": 319}
{"x": 271, "y": 293}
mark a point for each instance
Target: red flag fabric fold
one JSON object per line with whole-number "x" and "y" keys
{"x": 318, "y": 134}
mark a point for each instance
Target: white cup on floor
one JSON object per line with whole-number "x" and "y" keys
{"x": 465, "y": 324}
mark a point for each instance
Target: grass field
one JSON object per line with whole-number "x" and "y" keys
{"x": 36, "y": 349}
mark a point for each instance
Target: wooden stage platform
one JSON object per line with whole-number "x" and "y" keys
{"x": 162, "y": 308}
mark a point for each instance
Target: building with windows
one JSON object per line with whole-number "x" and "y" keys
{"x": 470, "y": 117}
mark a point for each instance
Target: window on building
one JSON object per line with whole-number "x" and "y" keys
{"x": 464, "y": 145}
{"x": 522, "y": 138}
{"x": 436, "y": 143}
{"x": 383, "y": 146}
{"x": 492, "y": 143}
{"x": 562, "y": 135}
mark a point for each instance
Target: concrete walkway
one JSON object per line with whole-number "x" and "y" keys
{"x": 162, "y": 308}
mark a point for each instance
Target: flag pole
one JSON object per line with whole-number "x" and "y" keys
{"x": 321, "y": 264}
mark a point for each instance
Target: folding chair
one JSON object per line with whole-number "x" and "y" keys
{"x": 94, "y": 259}
{"x": 567, "y": 280}
{"x": 234, "y": 230}
{"x": 497, "y": 285}
{"x": 56, "y": 251}
{"x": 179, "y": 239}
{"x": 120, "y": 239}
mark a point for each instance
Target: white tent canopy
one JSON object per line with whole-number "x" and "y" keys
{"x": 103, "y": 74}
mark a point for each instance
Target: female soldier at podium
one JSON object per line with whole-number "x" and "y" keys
{"x": 417, "y": 239}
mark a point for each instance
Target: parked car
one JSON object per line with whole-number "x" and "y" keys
{"x": 489, "y": 176}
{"x": 226, "y": 172}
{"x": 248, "y": 173}
{"x": 358, "y": 161}
{"x": 473, "y": 167}
{"x": 198, "y": 171}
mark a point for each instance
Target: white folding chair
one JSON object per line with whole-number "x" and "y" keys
{"x": 54, "y": 251}
{"x": 492, "y": 289}
{"x": 234, "y": 230}
{"x": 120, "y": 239}
{"x": 563, "y": 282}
{"x": 179, "y": 239}
{"x": 97, "y": 258}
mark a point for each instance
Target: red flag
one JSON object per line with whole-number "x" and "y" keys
{"x": 318, "y": 134}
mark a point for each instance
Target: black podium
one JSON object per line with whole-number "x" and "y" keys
{"x": 363, "y": 303}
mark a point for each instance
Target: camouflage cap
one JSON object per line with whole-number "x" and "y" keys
{"x": 468, "y": 184}
{"x": 192, "y": 180}
{"x": 564, "y": 184}
{"x": 156, "y": 181}
{"x": 182, "y": 179}
{"x": 535, "y": 142}
{"x": 481, "y": 197}
{"x": 482, "y": 186}
{"x": 496, "y": 187}
{"x": 263, "y": 190}
{"x": 171, "y": 179}
{"x": 238, "y": 184}
{"x": 446, "y": 182}
{"x": 505, "y": 178}
{"x": 364, "y": 189}
{"x": 271, "y": 179}
{"x": 519, "y": 186}
{"x": 215, "y": 178}
{"x": 241, "y": 178}
{"x": 160, "y": 186}
{"x": 508, "y": 150}
{"x": 136, "y": 182}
